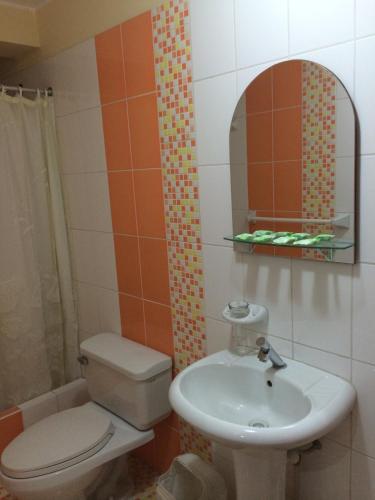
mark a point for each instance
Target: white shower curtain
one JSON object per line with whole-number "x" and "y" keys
{"x": 38, "y": 328}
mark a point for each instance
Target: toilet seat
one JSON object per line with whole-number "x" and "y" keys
{"x": 57, "y": 442}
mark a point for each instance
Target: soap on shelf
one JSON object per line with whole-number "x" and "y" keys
{"x": 244, "y": 237}
{"x": 284, "y": 240}
{"x": 264, "y": 238}
{"x": 301, "y": 236}
{"x": 262, "y": 232}
{"x": 325, "y": 237}
{"x": 306, "y": 242}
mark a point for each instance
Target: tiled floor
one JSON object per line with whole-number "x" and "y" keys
{"x": 144, "y": 478}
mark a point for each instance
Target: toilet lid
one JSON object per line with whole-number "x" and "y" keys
{"x": 56, "y": 442}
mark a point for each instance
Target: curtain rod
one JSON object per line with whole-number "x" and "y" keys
{"x": 21, "y": 89}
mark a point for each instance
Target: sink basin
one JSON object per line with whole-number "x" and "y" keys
{"x": 241, "y": 402}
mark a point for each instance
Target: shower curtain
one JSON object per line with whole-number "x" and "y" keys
{"x": 38, "y": 327}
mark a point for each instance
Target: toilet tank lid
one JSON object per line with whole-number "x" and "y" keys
{"x": 134, "y": 360}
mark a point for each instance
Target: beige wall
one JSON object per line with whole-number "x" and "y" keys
{"x": 18, "y": 26}
{"x": 64, "y": 23}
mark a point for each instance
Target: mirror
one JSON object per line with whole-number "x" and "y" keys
{"x": 292, "y": 156}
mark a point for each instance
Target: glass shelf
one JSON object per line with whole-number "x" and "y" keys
{"x": 321, "y": 245}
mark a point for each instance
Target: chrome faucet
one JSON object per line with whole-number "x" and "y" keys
{"x": 266, "y": 352}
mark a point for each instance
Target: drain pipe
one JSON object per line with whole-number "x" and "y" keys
{"x": 294, "y": 456}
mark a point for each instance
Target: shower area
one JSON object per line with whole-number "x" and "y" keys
{"x": 38, "y": 323}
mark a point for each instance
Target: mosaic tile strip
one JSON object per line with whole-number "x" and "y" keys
{"x": 193, "y": 442}
{"x": 318, "y": 149}
{"x": 172, "y": 52}
{"x": 173, "y": 70}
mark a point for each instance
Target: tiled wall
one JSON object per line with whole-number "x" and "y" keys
{"x": 319, "y": 313}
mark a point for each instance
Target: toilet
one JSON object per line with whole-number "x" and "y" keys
{"x": 64, "y": 456}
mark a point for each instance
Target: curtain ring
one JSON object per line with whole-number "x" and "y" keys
{"x": 20, "y": 90}
{"x": 3, "y": 90}
{"x": 38, "y": 93}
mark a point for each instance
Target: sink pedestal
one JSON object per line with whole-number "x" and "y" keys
{"x": 260, "y": 474}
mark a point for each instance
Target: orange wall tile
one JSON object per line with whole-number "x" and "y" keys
{"x": 116, "y": 136}
{"x": 110, "y": 65}
{"x": 132, "y": 318}
{"x": 127, "y": 263}
{"x": 287, "y": 85}
{"x": 144, "y": 131}
{"x": 259, "y": 137}
{"x": 154, "y": 264}
{"x": 11, "y": 425}
{"x": 139, "y": 55}
{"x": 260, "y": 186}
{"x": 126, "y": 68}
{"x": 148, "y": 186}
{"x": 288, "y": 186}
{"x": 287, "y": 134}
{"x": 159, "y": 334}
{"x": 121, "y": 192}
{"x": 259, "y": 93}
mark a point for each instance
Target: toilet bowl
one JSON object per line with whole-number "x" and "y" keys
{"x": 62, "y": 456}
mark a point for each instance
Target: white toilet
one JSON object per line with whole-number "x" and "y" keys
{"x": 64, "y": 455}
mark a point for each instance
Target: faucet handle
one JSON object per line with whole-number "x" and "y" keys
{"x": 262, "y": 343}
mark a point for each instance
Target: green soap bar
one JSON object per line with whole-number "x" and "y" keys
{"x": 265, "y": 238}
{"x": 279, "y": 234}
{"x": 307, "y": 242}
{"x": 301, "y": 236}
{"x": 325, "y": 237}
{"x": 284, "y": 240}
{"x": 244, "y": 237}
{"x": 262, "y": 232}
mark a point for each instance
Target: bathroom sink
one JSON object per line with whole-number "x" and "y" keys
{"x": 241, "y": 402}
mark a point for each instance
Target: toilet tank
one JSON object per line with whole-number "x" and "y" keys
{"x": 127, "y": 378}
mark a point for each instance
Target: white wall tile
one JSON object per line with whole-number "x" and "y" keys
{"x": 215, "y": 204}
{"x": 218, "y": 335}
{"x": 212, "y": 33}
{"x": 81, "y": 141}
{"x": 98, "y": 309}
{"x": 325, "y": 474}
{"x": 38, "y": 408}
{"x": 324, "y": 360}
{"x": 74, "y": 78}
{"x": 224, "y": 278}
{"x": 282, "y": 346}
{"x": 367, "y": 209}
{"x": 319, "y": 23}
{"x": 363, "y": 378}
{"x": 364, "y": 95}
{"x": 339, "y": 59}
{"x": 322, "y": 305}
{"x": 261, "y": 31}
{"x": 247, "y": 75}
{"x": 365, "y": 17}
{"x": 268, "y": 282}
{"x": 94, "y": 258}
{"x": 215, "y": 102}
{"x": 88, "y": 201}
{"x": 363, "y": 477}
{"x": 363, "y": 313}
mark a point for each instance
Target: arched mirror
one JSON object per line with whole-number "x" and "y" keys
{"x": 292, "y": 155}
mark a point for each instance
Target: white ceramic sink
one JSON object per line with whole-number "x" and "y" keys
{"x": 242, "y": 402}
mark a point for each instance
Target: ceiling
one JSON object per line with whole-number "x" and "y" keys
{"x": 33, "y": 4}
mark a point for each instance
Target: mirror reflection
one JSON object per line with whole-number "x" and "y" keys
{"x": 292, "y": 145}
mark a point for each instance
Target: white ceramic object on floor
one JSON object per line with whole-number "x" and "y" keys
{"x": 260, "y": 412}
{"x": 64, "y": 455}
